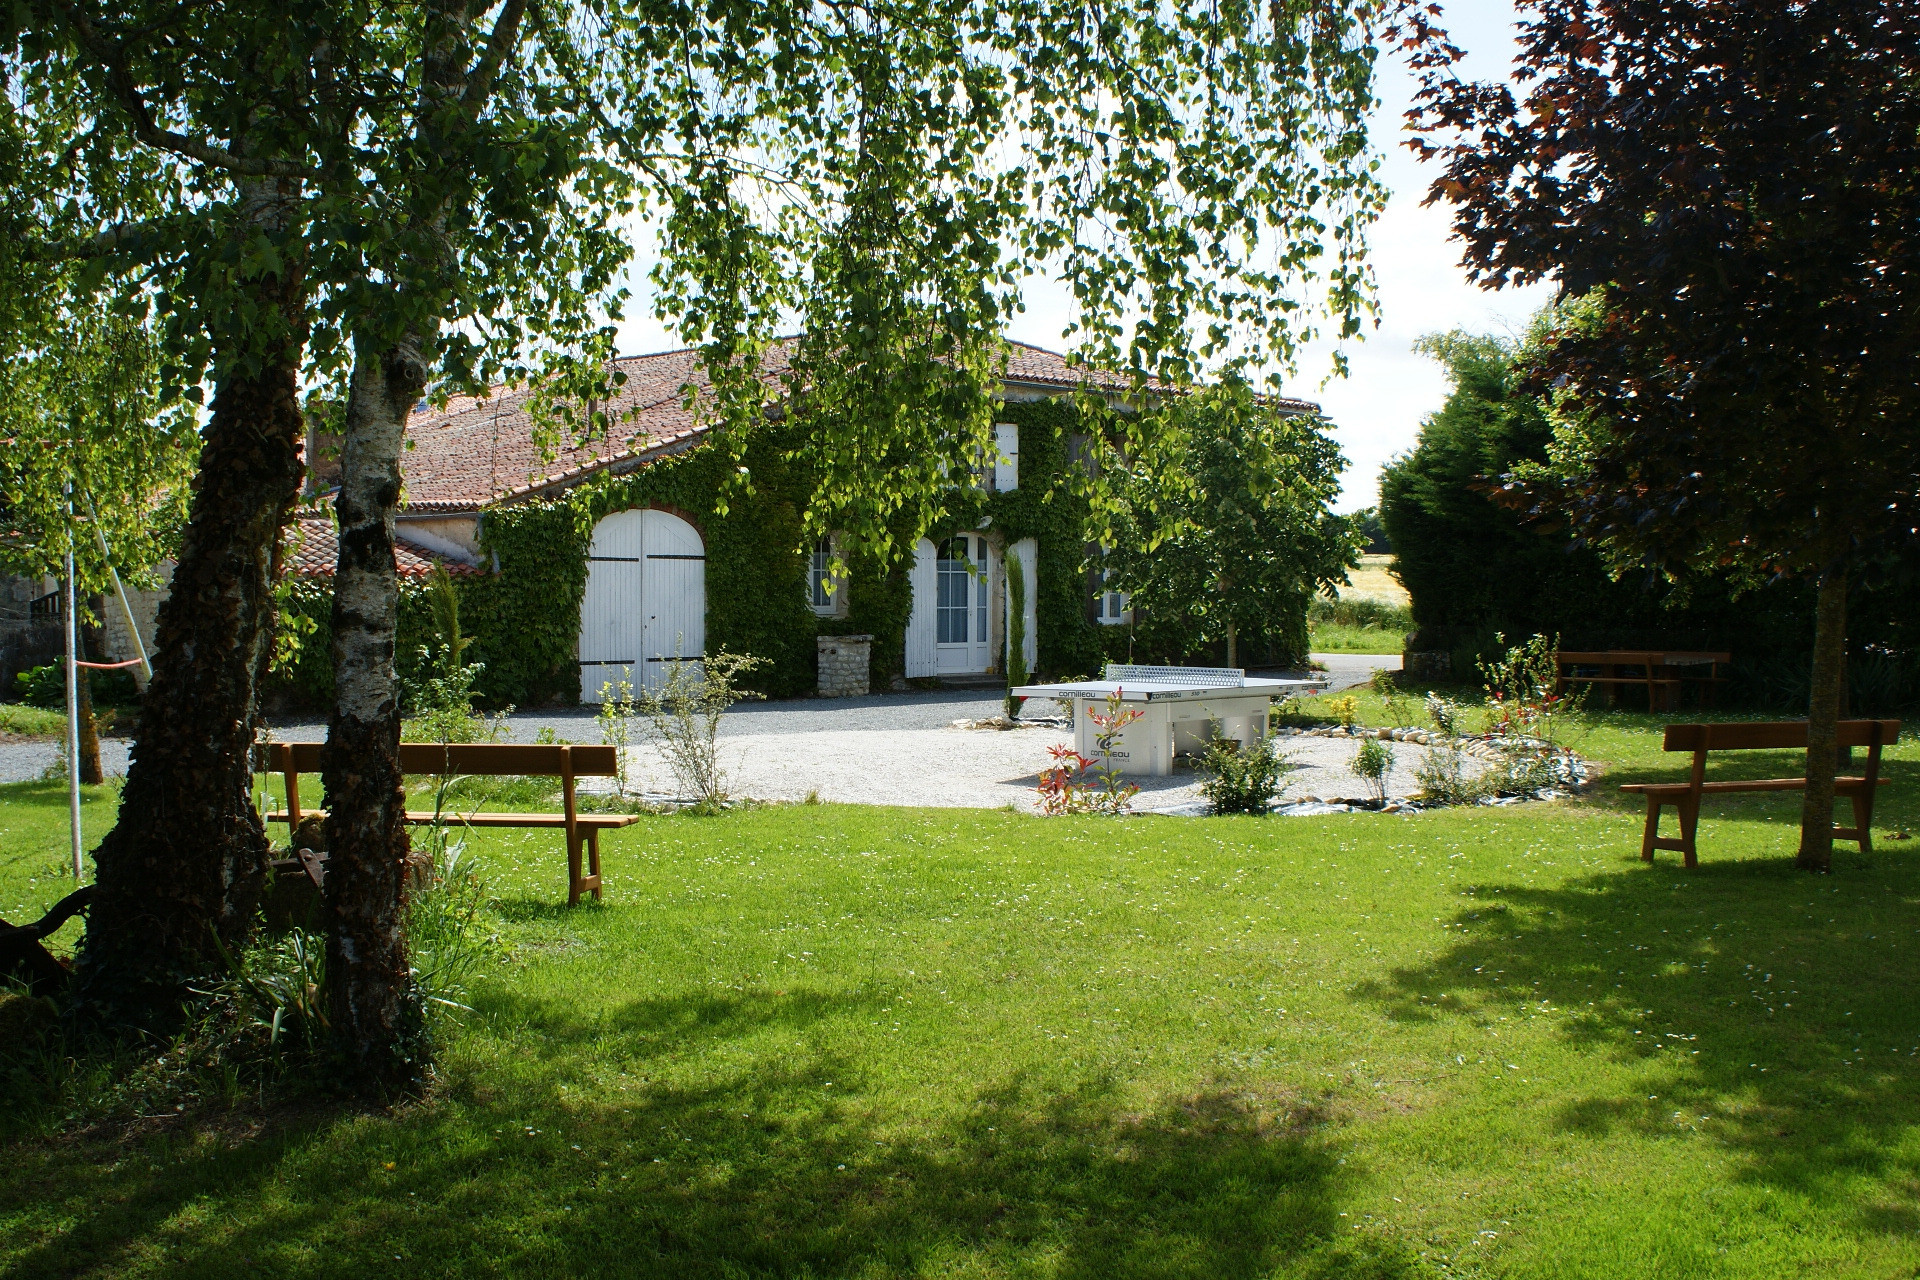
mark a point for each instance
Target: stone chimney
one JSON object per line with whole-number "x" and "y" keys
{"x": 323, "y": 447}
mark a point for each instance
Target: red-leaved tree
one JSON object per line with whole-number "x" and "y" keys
{"x": 1731, "y": 189}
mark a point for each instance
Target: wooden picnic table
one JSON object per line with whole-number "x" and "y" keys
{"x": 1659, "y": 671}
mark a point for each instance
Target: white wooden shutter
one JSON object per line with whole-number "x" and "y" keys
{"x": 922, "y": 658}
{"x": 1006, "y": 467}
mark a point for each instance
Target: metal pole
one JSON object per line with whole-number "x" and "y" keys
{"x": 73, "y": 706}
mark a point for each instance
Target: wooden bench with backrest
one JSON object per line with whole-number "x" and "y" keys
{"x": 1704, "y": 739}
{"x": 485, "y": 759}
{"x": 1662, "y": 672}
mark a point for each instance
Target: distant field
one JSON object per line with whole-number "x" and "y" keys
{"x": 1372, "y": 581}
{"x": 1368, "y": 617}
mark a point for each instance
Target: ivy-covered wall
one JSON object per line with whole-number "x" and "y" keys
{"x": 525, "y": 619}
{"x": 756, "y": 574}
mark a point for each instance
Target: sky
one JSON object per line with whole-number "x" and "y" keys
{"x": 1377, "y": 409}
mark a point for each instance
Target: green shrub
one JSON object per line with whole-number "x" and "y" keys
{"x": 1372, "y": 764}
{"x": 1444, "y": 779}
{"x": 1360, "y": 613}
{"x": 31, "y": 721}
{"x": 1242, "y": 780}
{"x": 47, "y": 687}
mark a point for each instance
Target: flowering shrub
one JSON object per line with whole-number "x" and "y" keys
{"x": 1521, "y": 697}
{"x": 1524, "y": 717}
{"x": 1076, "y": 784}
{"x": 1345, "y": 710}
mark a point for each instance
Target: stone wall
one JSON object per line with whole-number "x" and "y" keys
{"x": 145, "y": 605}
{"x": 843, "y": 665}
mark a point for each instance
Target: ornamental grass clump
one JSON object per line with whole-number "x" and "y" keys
{"x": 1242, "y": 779}
{"x": 1383, "y": 683}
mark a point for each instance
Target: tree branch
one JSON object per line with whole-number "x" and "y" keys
{"x": 112, "y": 56}
{"x": 112, "y": 239}
{"x": 506, "y": 33}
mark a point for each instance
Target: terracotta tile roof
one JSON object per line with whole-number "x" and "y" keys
{"x": 317, "y": 551}
{"x": 479, "y": 450}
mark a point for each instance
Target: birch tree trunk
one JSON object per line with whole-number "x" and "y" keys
{"x": 172, "y": 872}
{"x": 374, "y": 1010}
{"x": 1823, "y": 718}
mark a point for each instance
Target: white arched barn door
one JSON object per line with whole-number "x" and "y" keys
{"x": 674, "y": 592}
{"x": 645, "y": 602}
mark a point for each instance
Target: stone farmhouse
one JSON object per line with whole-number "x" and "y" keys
{"x": 617, "y": 556}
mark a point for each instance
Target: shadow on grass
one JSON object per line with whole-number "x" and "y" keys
{"x": 567, "y": 1155}
{"x": 1770, "y": 1010}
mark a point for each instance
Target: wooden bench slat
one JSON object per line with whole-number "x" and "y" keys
{"x": 1787, "y": 735}
{"x": 426, "y": 817}
{"x": 1624, "y": 679}
{"x": 485, "y": 759}
{"x": 1751, "y": 784}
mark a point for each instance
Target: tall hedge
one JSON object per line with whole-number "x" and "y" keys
{"x": 1473, "y": 568}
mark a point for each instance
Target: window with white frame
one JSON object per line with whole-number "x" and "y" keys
{"x": 1111, "y": 608}
{"x": 826, "y": 592}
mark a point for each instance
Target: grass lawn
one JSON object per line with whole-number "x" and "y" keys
{"x": 1327, "y": 637}
{"x": 827, "y": 1041}
{"x": 18, "y": 720}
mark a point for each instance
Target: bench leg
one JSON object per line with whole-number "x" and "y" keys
{"x": 573, "y": 871}
{"x": 593, "y": 859}
{"x": 1863, "y": 818}
{"x": 1687, "y": 810}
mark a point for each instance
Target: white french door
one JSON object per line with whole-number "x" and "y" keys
{"x": 962, "y": 622}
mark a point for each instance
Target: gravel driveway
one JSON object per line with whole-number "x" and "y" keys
{"x": 893, "y": 748}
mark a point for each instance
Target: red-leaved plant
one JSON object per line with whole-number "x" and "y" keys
{"x": 1076, "y": 784}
